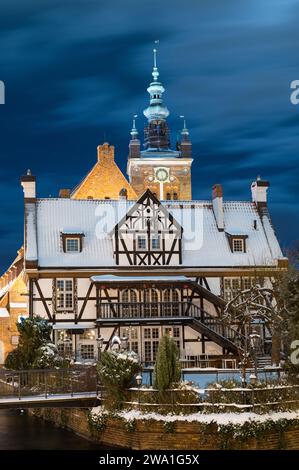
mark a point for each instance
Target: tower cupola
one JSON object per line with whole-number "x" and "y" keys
{"x": 156, "y": 132}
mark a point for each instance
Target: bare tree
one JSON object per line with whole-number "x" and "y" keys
{"x": 258, "y": 304}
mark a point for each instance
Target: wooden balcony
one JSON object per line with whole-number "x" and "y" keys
{"x": 140, "y": 311}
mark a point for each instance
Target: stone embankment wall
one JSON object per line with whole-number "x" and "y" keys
{"x": 156, "y": 435}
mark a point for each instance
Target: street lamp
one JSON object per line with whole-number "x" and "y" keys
{"x": 100, "y": 342}
{"x": 139, "y": 379}
{"x": 253, "y": 379}
{"x": 139, "y": 382}
{"x": 124, "y": 342}
{"x": 254, "y": 343}
{"x": 67, "y": 342}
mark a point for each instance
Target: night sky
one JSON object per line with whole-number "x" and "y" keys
{"x": 76, "y": 71}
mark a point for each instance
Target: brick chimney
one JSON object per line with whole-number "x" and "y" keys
{"x": 259, "y": 190}
{"x": 217, "y": 195}
{"x": 123, "y": 194}
{"x": 64, "y": 193}
{"x": 28, "y": 183}
{"x": 105, "y": 152}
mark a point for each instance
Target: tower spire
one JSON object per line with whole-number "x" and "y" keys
{"x": 184, "y": 131}
{"x": 155, "y": 72}
{"x": 134, "y": 131}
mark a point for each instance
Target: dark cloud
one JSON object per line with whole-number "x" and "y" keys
{"x": 76, "y": 71}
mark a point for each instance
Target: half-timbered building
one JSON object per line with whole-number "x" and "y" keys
{"x": 149, "y": 259}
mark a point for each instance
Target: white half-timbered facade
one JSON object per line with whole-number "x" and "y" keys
{"x": 90, "y": 276}
{"x": 140, "y": 267}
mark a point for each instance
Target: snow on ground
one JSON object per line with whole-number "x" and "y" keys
{"x": 219, "y": 418}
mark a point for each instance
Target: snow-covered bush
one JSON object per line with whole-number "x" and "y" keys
{"x": 47, "y": 356}
{"x": 117, "y": 371}
{"x": 35, "y": 350}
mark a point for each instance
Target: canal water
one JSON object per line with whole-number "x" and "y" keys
{"x": 18, "y": 431}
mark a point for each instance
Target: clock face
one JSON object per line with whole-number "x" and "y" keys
{"x": 161, "y": 174}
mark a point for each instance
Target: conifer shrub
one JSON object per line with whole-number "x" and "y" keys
{"x": 167, "y": 367}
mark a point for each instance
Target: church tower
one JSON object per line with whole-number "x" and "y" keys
{"x": 166, "y": 172}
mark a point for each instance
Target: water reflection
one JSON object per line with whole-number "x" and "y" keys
{"x": 18, "y": 431}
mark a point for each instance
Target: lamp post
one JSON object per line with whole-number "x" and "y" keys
{"x": 100, "y": 342}
{"x": 139, "y": 382}
{"x": 67, "y": 342}
{"x": 254, "y": 343}
{"x": 124, "y": 342}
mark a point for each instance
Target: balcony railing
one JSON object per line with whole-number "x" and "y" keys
{"x": 107, "y": 311}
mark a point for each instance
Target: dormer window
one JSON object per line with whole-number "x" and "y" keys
{"x": 72, "y": 242}
{"x": 237, "y": 242}
{"x": 72, "y": 245}
{"x": 238, "y": 245}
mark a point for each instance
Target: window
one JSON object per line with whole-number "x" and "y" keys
{"x": 247, "y": 283}
{"x": 168, "y": 196}
{"x": 72, "y": 245}
{"x": 64, "y": 294}
{"x": 129, "y": 303}
{"x": 175, "y": 196}
{"x": 232, "y": 286}
{"x": 132, "y": 335}
{"x": 171, "y": 299}
{"x": 88, "y": 334}
{"x": 156, "y": 242}
{"x": 87, "y": 351}
{"x": 151, "y": 299}
{"x": 72, "y": 242}
{"x": 65, "y": 350}
{"x": 237, "y": 242}
{"x": 151, "y": 343}
{"x": 64, "y": 343}
{"x": 141, "y": 242}
{"x": 238, "y": 245}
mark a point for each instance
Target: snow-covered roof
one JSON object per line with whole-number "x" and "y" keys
{"x": 203, "y": 244}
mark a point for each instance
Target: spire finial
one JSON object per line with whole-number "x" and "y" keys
{"x": 134, "y": 132}
{"x": 185, "y": 131}
{"x": 183, "y": 117}
{"x": 155, "y": 68}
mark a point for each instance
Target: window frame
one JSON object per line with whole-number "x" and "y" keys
{"x": 67, "y": 236}
{"x": 241, "y": 241}
{"x": 156, "y": 238}
{"x": 72, "y": 239}
{"x": 141, "y": 237}
{"x": 239, "y": 238}
{"x": 65, "y": 292}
